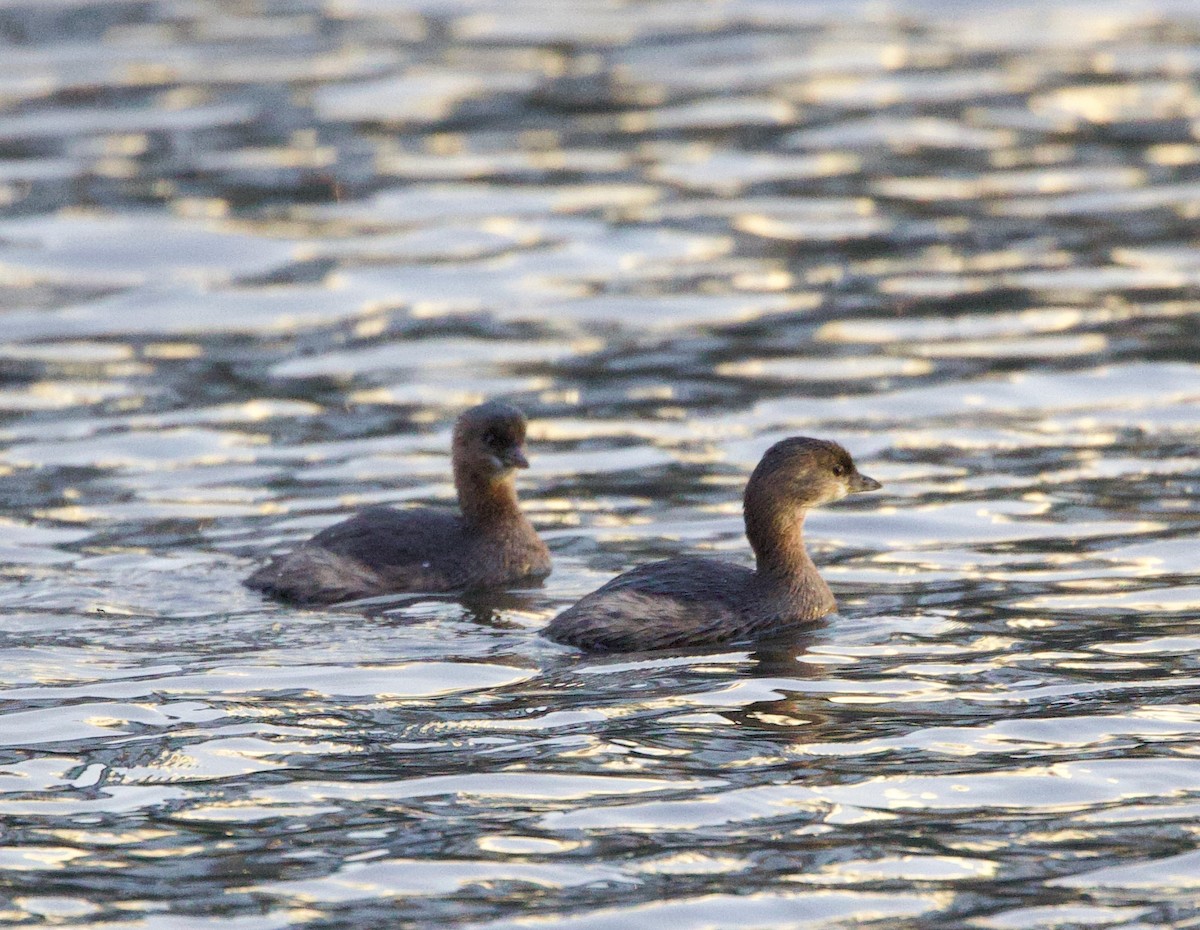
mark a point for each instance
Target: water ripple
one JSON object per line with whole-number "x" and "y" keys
{"x": 255, "y": 258}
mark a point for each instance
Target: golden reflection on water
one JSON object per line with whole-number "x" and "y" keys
{"x": 252, "y": 265}
{"x": 38, "y": 858}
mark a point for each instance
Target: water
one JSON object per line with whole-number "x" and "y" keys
{"x": 255, "y": 257}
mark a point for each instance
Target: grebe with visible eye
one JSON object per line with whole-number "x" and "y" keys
{"x": 382, "y": 550}
{"x": 693, "y": 601}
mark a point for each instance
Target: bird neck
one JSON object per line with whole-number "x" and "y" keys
{"x": 777, "y": 538}
{"x": 487, "y": 501}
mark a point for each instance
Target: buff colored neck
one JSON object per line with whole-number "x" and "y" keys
{"x": 487, "y": 501}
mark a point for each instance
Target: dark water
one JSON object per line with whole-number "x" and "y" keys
{"x": 254, "y": 258}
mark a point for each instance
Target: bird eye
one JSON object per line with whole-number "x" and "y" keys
{"x": 491, "y": 437}
{"x": 839, "y": 470}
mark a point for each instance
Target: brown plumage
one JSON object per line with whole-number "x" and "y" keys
{"x": 382, "y": 550}
{"x": 693, "y": 601}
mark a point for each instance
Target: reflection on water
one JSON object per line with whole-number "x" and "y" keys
{"x": 254, "y": 258}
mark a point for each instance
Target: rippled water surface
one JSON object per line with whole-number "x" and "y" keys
{"x": 256, "y": 256}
